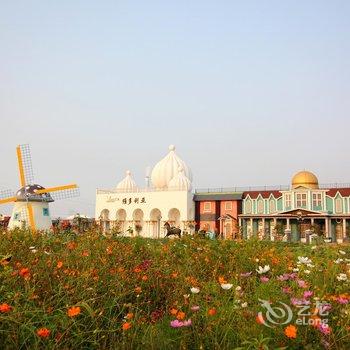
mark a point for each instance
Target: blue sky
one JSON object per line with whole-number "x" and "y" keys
{"x": 249, "y": 91}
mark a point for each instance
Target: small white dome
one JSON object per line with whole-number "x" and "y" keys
{"x": 167, "y": 168}
{"x": 127, "y": 184}
{"x": 180, "y": 181}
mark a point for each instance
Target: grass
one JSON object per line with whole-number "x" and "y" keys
{"x": 126, "y": 292}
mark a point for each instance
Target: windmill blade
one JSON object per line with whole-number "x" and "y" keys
{"x": 7, "y": 196}
{"x": 61, "y": 192}
{"x": 25, "y": 165}
{"x": 31, "y": 216}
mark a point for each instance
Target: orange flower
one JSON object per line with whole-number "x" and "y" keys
{"x": 222, "y": 280}
{"x": 290, "y": 331}
{"x": 129, "y": 316}
{"x": 212, "y": 312}
{"x": 73, "y": 311}
{"x": 59, "y": 264}
{"x": 43, "y": 333}
{"x": 71, "y": 245}
{"x": 259, "y": 319}
{"x": 174, "y": 274}
{"x": 5, "y": 308}
{"x": 316, "y": 321}
{"x": 180, "y": 315}
{"x": 138, "y": 290}
{"x": 173, "y": 311}
{"x": 24, "y": 272}
{"x": 109, "y": 250}
{"x": 137, "y": 269}
{"x": 144, "y": 278}
{"x": 126, "y": 326}
{"x": 85, "y": 253}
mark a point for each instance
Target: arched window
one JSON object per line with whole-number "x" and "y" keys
{"x": 272, "y": 206}
{"x": 260, "y": 206}
{"x": 248, "y": 206}
{"x": 339, "y": 205}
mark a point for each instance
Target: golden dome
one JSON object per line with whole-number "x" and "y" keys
{"x": 305, "y": 179}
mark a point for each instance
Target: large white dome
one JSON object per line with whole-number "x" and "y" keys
{"x": 127, "y": 184}
{"x": 180, "y": 182}
{"x": 167, "y": 168}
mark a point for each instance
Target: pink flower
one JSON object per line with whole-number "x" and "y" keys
{"x": 179, "y": 324}
{"x": 324, "y": 328}
{"x": 297, "y": 302}
{"x": 264, "y": 279}
{"x": 246, "y": 274}
{"x": 287, "y": 290}
{"x": 308, "y": 294}
{"x": 302, "y": 284}
{"x": 195, "y": 308}
{"x": 176, "y": 324}
{"x": 341, "y": 300}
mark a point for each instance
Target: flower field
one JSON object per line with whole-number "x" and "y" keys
{"x": 95, "y": 292}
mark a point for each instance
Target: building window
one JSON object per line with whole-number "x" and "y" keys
{"x": 46, "y": 211}
{"x": 301, "y": 200}
{"x": 260, "y": 206}
{"x": 288, "y": 201}
{"x": 317, "y": 199}
{"x": 207, "y": 207}
{"x": 272, "y": 206}
{"x": 228, "y": 205}
{"x": 248, "y": 206}
{"x": 339, "y": 205}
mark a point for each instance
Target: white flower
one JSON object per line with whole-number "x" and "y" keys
{"x": 260, "y": 270}
{"x": 307, "y": 272}
{"x": 244, "y": 304}
{"x": 296, "y": 270}
{"x": 314, "y": 247}
{"x": 47, "y": 253}
{"x": 34, "y": 251}
{"x": 310, "y": 265}
{"x": 32, "y": 247}
{"x": 342, "y": 277}
{"x": 256, "y": 260}
{"x": 338, "y": 261}
{"x": 342, "y": 252}
{"x": 238, "y": 288}
{"x": 226, "y": 286}
{"x": 304, "y": 260}
{"x": 194, "y": 290}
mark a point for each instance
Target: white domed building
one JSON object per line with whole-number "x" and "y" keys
{"x": 144, "y": 211}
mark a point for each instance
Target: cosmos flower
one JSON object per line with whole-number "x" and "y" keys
{"x": 264, "y": 279}
{"x": 342, "y": 277}
{"x": 43, "y": 333}
{"x": 73, "y": 311}
{"x": 4, "y": 308}
{"x": 291, "y": 331}
{"x": 195, "y": 308}
{"x": 194, "y": 290}
{"x": 226, "y": 286}
{"x": 304, "y": 260}
{"x": 260, "y": 270}
{"x": 246, "y": 274}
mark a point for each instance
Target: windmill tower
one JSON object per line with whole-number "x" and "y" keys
{"x": 31, "y": 201}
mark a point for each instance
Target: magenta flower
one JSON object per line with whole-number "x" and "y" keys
{"x": 298, "y": 302}
{"x": 341, "y": 300}
{"x": 308, "y": 294}
{"x": 324, "y": 328}
{"x": 176, "y": 324}
{"x": 179, "y": 324}
{"x": 264, "y": 279}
